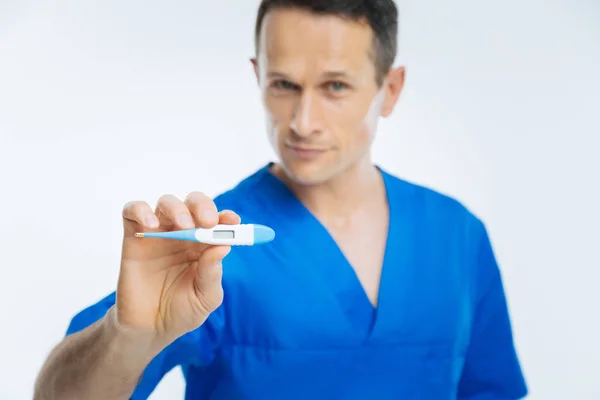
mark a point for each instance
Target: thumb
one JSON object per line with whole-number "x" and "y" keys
{"x": 209, "y": 271}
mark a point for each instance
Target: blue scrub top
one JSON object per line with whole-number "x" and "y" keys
{"x": 296, "y": 323}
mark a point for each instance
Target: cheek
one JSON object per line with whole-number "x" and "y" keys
{"x": 360, "y": 125}
{"x": 360, "y": 142}
{"x": 278, "y": 113}
{"x": 373, "y": 113}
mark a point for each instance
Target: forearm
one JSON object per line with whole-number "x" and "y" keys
{"x": 99, "y": 362}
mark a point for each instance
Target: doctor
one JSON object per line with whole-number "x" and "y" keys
{"x": 374, "y": 287}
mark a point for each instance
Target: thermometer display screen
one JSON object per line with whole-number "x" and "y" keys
{"x": 223, "y": 234}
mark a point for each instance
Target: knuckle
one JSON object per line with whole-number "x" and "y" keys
{"x": 196, "y": 194}
{"x": 198, "y": 200}
{"x": 134, "y": 207}
{"x": 130, "y": 204}
{"x": 166, "y": 198}
{"x": 168, "y": 202}
{"x": 195, "y": 198}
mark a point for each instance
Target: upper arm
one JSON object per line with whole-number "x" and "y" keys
{"x": 195, "y": 348}
{"x": 491, "y": 370}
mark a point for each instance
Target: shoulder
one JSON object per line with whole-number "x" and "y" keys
{"x": 429, "y": 200}
{"x": 435, "y": 211}
{"x": 246, "y": 196}
{"x": 452, "y": 236}
{"x": 243, "y": 189}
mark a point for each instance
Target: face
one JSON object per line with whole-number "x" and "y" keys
{"x": 322, "y": 101}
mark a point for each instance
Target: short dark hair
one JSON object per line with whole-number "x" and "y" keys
{"x": 381, "y": 15}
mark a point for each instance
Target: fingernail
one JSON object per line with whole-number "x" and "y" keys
{"x": 151, "y": 221}
{"x": 185, "y": 220}
{"x": 207, "y": 215}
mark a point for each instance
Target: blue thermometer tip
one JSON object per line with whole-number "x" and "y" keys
{"x": 263, "y": 234}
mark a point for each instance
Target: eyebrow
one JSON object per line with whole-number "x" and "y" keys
{"x": 276, "y": 74}
{"x": 326, "y": 75}
{"x": 335, "y": 74}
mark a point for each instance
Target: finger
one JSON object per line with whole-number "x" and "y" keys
{"x": 210, "y": 259}
{"x": 173, "y": 212}
{"x": 214, "y": 255}
{"x": 141, "y": 213}
{"x": 203, "y": 209}
{"x": 228, "y": 217}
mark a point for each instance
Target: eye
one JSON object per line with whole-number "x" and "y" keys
{"x": 284, "y": 85}
{"x": 337, "y": 86}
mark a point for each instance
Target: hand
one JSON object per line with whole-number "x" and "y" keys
{"x": 169, "y": 287}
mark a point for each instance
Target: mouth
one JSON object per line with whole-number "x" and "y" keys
{"x": 306, "y": 152}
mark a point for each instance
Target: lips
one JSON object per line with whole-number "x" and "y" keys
{"x": 305, "y": 152}
{"x": 303, "y": 148}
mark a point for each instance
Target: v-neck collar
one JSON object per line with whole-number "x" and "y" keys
{"x": 339, "y": 275}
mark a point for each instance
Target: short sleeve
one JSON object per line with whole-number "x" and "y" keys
{"x": 491, "y": 370}
{"x": 195, "y": 348}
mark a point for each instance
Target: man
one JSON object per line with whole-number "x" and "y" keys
{"x": 374, "y": 288}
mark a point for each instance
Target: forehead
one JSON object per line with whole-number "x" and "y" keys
{"x": 298, "y": 37}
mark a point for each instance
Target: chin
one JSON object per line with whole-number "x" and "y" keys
{"x": 309, "y": 173}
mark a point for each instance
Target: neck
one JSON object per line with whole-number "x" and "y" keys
{"x": 341, "y": 196}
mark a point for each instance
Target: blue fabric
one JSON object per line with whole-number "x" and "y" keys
{"x": 296, "y": 324}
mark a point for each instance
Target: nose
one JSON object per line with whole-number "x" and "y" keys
{"x": 308, "y": 116}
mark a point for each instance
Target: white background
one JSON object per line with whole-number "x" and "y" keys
{"x": 106, "y": 102}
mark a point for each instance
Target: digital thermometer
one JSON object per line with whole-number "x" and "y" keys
{"x": 232, "y": 235}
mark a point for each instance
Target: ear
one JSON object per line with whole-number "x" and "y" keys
{"x": 255, "y": 65}
{"x": 394, "y": 83}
